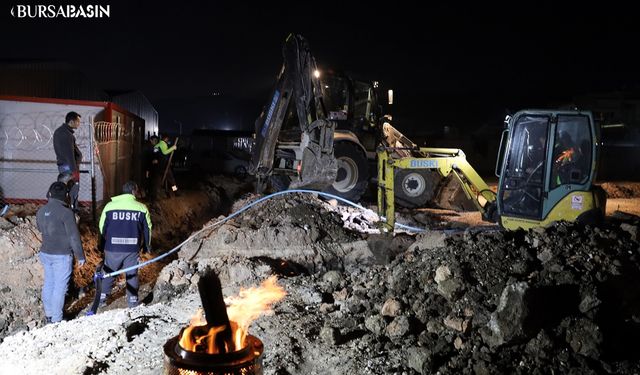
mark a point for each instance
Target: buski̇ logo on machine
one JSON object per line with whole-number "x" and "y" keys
{"x": 272, "y": 108}
{"x": 417, "y": 163}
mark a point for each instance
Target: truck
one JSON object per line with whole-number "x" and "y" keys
{"x": 324, "y": 133}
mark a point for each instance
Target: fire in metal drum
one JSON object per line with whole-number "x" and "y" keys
{"x": 247, "y": 361}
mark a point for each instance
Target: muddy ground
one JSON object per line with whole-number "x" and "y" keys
{"x": 456, "y": 300}
{"x": 21, "y": 275}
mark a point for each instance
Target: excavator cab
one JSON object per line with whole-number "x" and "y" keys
{"x": 548, "y": 168}
{"x": 354, "y": 106}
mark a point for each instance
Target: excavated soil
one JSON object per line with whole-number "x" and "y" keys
{"x": 300, "y": 228}
{"x": 623, "y": 190}
{"x": 21, "y": 274}
{"x": 477, "y": 300}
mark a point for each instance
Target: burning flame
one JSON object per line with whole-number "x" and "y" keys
{"x": 250, "y": 304}
{"x": 242, "y": 311}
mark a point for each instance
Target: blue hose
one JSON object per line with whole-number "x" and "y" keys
{"x": 221, "y": 221}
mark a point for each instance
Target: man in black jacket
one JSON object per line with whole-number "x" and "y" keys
{"x": 68, "y": 155}
{"x": 60, "y": 241}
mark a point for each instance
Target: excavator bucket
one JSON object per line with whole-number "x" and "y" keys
{"x": 450, "y": 196}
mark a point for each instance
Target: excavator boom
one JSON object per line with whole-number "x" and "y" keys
{"x": 308, "y": 158}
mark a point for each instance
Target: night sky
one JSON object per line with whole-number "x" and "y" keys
{"x": 461, "y": 65}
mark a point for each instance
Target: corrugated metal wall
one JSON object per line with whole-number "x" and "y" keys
{"x": 63, "y": 81}
{"x": 47, "y": 80}
{"x": 136, "y": 103}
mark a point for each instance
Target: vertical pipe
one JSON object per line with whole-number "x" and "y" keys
{"x": 136, "y": 134}
{"x": 93, "y": 168}
{"x": 389, "y": 193}
{"x": 117, "y": 159}
{"x": 381, "y": 181}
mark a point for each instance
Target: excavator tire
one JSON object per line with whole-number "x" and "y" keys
{"x": 352, "y": 179}
{"x": 415, "y": 188}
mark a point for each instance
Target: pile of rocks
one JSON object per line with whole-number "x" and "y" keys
{"x": 499, "y": 302}
{"x": 562, "y": 299}
{"x": 299, "y": 229}
{"x": 20, "y": 275}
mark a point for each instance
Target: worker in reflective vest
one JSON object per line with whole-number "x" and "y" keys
{"x": 125, "y": 228}
{"x": 163, "y": 151}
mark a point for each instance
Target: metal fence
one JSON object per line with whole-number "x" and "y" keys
{"x": 28, "y": 163}
{"x": 118, "y": 154}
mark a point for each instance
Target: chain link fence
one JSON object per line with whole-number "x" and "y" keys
{"x": 28, "y": 162}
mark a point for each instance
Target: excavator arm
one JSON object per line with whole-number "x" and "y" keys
{"x": 446, "y": 161}
{"x": 307, "y": 160}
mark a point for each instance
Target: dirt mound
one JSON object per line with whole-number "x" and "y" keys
{"x": 297, "y": 228}
{"x": 296, "y": 210}
{"x": 173, "y": 220}
{"x": 561, "y": 299}
{"x": 114, "y": 342}
{"x": 180, "y": 276}
{"x": 130, "y": 341}
{"x": 483, "y": 301}
{"x": 287, "y": 235}
{"x": 20, "y": 275}
{"x": 622, "y": 189}
{"x": 496, "y": 302}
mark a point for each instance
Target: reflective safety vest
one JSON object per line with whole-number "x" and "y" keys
{"x": 125, "y": 225}
{"x": 566, "y": 156}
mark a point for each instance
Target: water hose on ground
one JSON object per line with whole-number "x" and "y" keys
{"x": 99, "y": 276}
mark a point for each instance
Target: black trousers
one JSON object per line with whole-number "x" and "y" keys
{"x": 114, "y": 261}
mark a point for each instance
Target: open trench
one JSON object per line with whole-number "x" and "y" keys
{"x": 174, "y": 219}
{"x": 464, "y": 301}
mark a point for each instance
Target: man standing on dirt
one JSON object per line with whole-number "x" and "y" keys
{"x": 60, "y": 241}
{"x": 125, "y": 227}
{"x": 151, "y": 165}
{"x": 162, "y": 149}
{"x": 68, "y": 155}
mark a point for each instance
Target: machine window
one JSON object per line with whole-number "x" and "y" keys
{"x": 524, "y": 172}
{"x": 571, "y": 151}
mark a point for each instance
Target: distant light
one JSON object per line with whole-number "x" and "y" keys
{"x": 390, "y": 93}
{"x": 316, "y": 73}
{"x": 375, "y": 84}
{"x": 608, "y": 126}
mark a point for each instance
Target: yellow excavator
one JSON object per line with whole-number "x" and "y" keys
{"x": 546, "y": 167}
{"x": 324, "y": 132}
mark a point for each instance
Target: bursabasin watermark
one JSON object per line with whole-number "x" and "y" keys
{"x": 61, "y": 11}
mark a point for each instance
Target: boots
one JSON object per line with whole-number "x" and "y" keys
{"x": 103, "y": 300}
{"x": 132, "y": 301}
